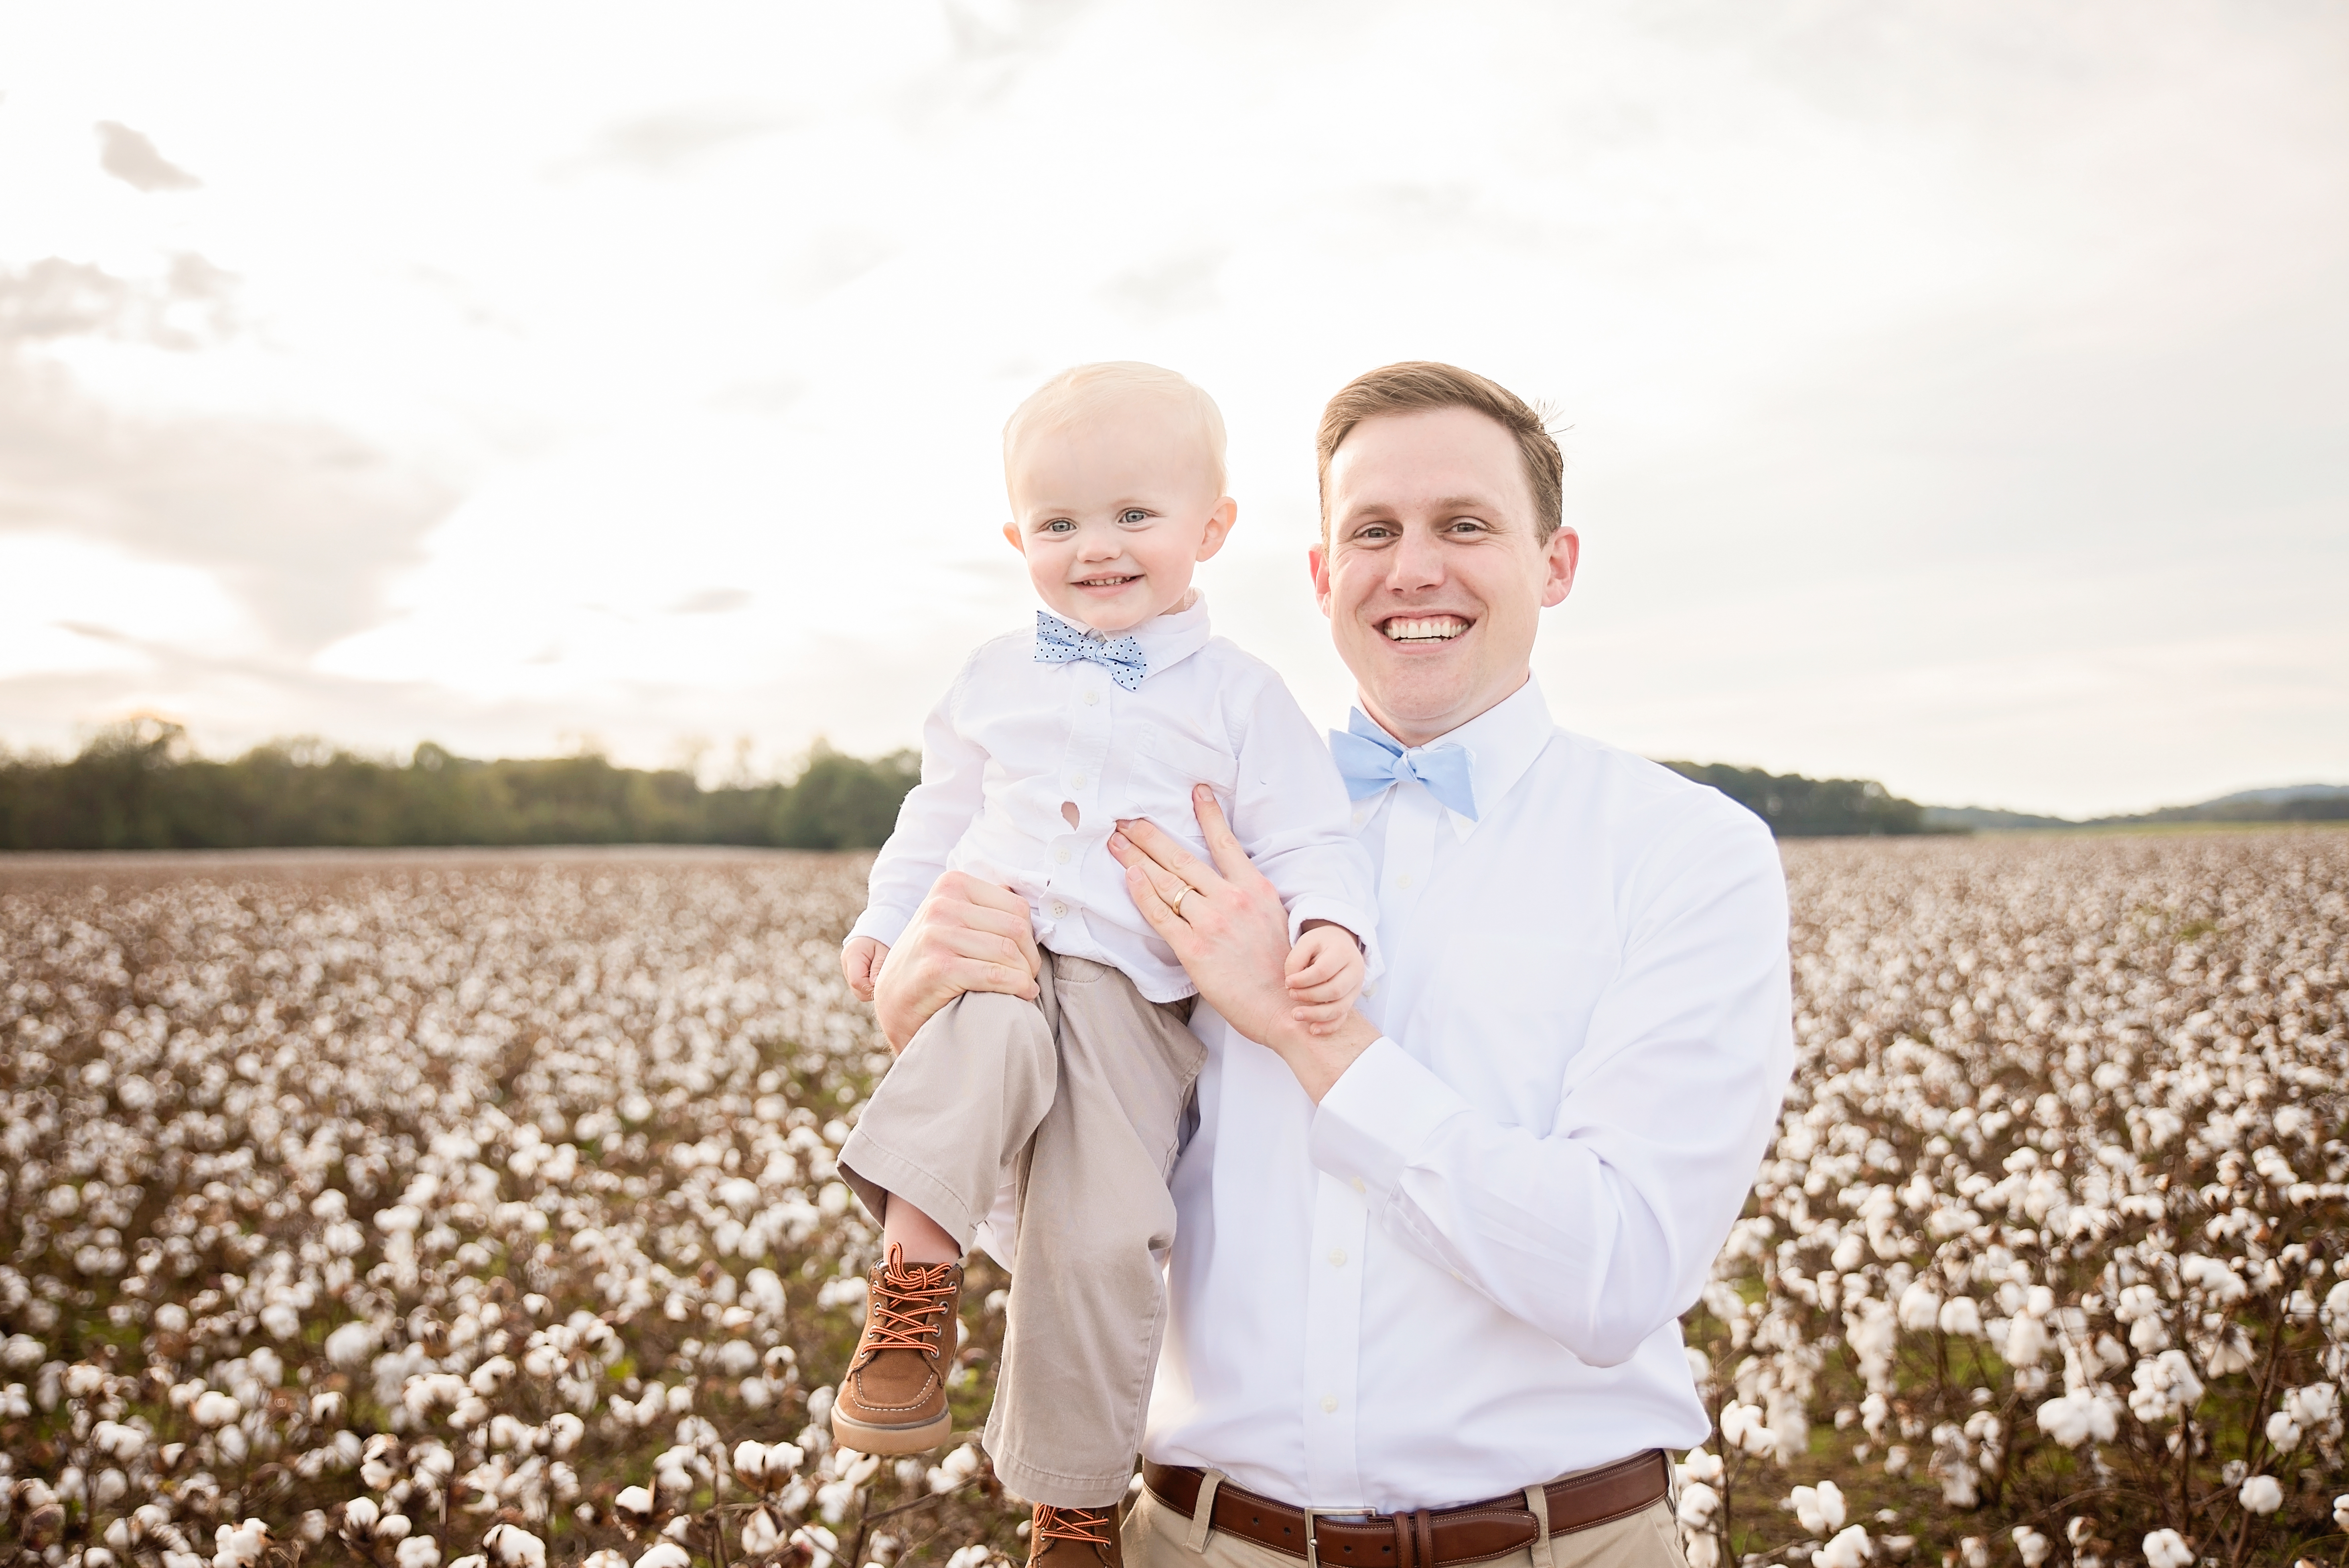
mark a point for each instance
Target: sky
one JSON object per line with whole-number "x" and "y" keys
{"x": 1954, "y": 394}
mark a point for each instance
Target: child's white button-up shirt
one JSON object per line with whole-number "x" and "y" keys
{"x": 1019, "y": 746}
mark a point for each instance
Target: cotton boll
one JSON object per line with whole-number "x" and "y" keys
{"x": 2261, "y": 1494}
{"x": 1819, "y": 1509}
{"x": 1961, "y": 1316}
{"x": 1920, "y": 1308}
{"x": 762, "y": 1534}
{"x": 635, "y": 1506}
{"x": 2032, "y": 1547}
{"x": 418, "y": 1552}
{"x": 509, "y": 1546}
{"x": 2283, "y": 1432}
{"x": 1851, "y": 1549}
{"x": 1699, "y": 1503}
{"x": 664, "y": 1554}
{"x": 351, "y": 1344}
{"x": 2167, "y": 1549}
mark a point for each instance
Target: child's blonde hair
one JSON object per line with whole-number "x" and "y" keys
{"x": 1070, "y": 398}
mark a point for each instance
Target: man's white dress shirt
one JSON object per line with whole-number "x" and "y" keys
{"x": 1461, "y": 1273}
{"x": 1018, "y": 748}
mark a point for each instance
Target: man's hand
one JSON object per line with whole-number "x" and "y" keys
{"x": 967, "y": 935}
{"x": 860, "y": 960}
{"x": 1228, "y": 926}
{"x": 1325, "y": 972}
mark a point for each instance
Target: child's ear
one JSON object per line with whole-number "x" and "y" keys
{"x": 1219, "y": 527}
{"x": 1011, "y": 536}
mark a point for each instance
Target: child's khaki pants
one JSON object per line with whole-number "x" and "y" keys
{"x": 1081, "y": 1093}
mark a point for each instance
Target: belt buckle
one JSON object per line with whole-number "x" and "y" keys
{"x": 1312, "y": 1542}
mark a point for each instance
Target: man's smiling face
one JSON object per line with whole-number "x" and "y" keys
{"x": 1433, "y": 574}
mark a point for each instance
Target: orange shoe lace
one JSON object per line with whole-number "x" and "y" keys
{"x": 1090, "y": 1525}
{"x": 910, "y": 1298}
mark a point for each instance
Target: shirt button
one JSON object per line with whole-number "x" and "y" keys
{"x": 1076, "y": 780}
{"x": 1358, "y": 1185}
{"x": 1403, "y": 881}
{"x": 1330, "y": 1404}
{"x": 1092, "y": 698}
{"x": 1337, "y": 1257}
{"x": 1060, "y": 910}
{"x": 1062, "y": 856}
{"x": 1369, "y": 990}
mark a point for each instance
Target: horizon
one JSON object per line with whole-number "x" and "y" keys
{"x": 1950, "y": 398}
{"x": 709, "y": 773}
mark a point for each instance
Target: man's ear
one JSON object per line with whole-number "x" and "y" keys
{"x": 1014, "y": 538}
{"x": 1563, "y": 554}
{"x": 1219, "y": 527}
{"x": 1317, "y": 566}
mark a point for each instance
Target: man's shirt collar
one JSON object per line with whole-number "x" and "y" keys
{"x": 1501, "y": 742}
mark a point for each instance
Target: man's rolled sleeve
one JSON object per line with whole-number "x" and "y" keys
{"x": 1378, "y": 1116}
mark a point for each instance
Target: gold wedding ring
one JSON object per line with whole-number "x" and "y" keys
{"x": 1187, "y": 890}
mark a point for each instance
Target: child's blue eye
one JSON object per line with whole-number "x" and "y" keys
{"x": 1133, "y": 514}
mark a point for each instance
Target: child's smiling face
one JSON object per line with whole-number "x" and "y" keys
{"x": 1113, "y": 513}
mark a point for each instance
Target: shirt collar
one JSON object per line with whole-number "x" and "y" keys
{"x": 1167, "y": 640}
{"x": 1501, "y": 742}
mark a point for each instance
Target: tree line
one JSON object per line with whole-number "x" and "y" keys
{"x": 1800, "y": 807}
{"x": 138, "y": 787}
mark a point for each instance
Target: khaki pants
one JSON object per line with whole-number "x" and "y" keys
{"x": 1155, "y": 1536}
{"x": 1082, "y": 1094}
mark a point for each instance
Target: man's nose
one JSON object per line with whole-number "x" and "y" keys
{"x": 1415, "y": 563}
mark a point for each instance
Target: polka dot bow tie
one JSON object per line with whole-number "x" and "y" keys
{"x": 1057, "y": 643}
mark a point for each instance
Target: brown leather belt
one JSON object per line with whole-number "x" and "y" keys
{"x": 1425, "y": 1537}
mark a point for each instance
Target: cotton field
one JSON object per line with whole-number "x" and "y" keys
{"x": 450, "y": 1211}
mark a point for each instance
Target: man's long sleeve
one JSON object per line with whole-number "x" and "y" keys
{"x": 1599, "y": 1228}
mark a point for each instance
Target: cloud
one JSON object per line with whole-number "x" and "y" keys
{"x": 1172, "y": 287}
{"x": 300, "y": 522}
{"x": 712, "y": 602}
{"x": 191, "y": 303}
{"x": 132, "y": 159}
{"x": 662, "y": 143}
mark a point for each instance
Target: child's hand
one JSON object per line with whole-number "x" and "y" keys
{"x": 1325, "y": 975}
{"x": 861, "y": 962}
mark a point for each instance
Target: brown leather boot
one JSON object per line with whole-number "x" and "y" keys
{"x": 894, "y": 1399}
{"x": 1074, "y": 1538}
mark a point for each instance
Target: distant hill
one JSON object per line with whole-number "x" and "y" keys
{"x": 1985, "y": 818}
{"x": 2287, "y": 803}
{"x": 1800, "y": 807}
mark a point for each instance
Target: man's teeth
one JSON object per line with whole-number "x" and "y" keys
{"x": 1426, "y": 628}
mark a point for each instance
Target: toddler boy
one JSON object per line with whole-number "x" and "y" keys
{"x": 1116, "y": 706}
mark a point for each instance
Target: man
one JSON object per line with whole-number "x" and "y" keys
{"x": 1429, "y": 1267}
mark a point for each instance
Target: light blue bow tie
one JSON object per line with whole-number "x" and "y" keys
{"x": 1369, "y": 762}
{"x": 1057, "y": 643}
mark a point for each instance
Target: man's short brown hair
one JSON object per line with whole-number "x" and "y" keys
{"x": 1417, "y": 384}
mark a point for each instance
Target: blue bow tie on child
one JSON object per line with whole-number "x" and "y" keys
{"x": 1369, "y": 762}
{"x": 1057, "y": 643}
